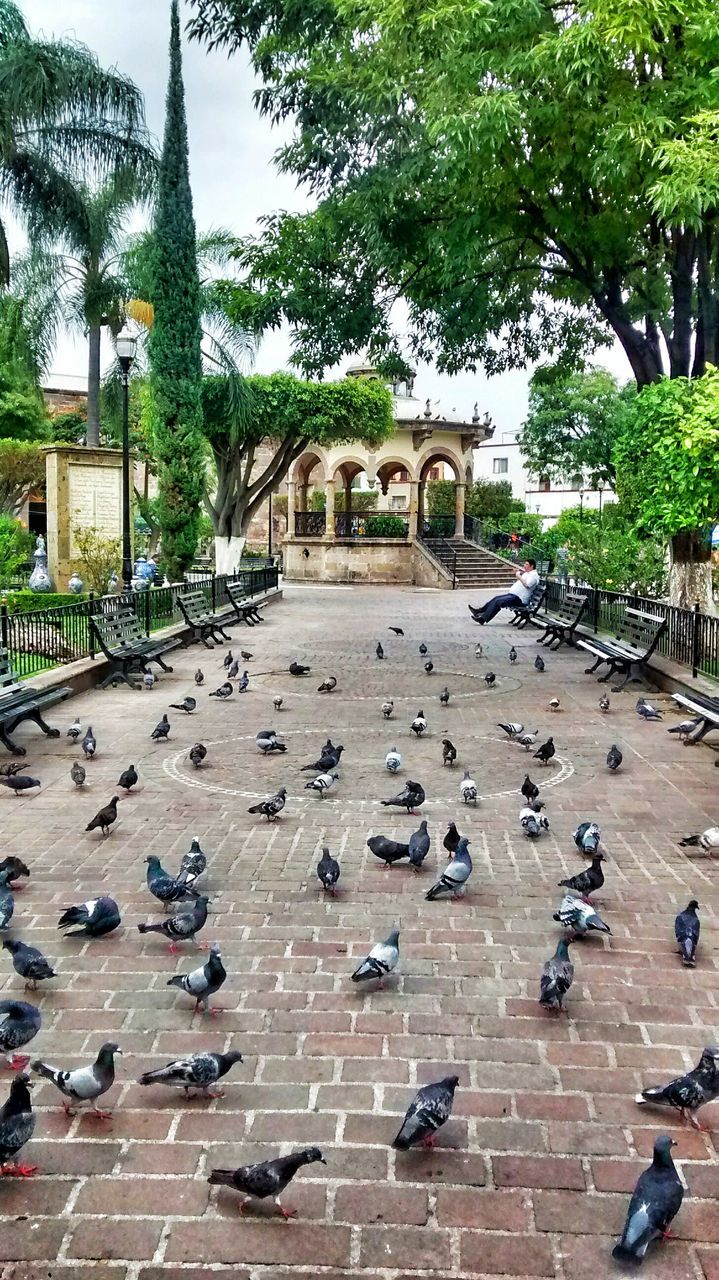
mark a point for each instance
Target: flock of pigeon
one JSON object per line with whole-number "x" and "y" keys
{"x": 659, "y": 1191}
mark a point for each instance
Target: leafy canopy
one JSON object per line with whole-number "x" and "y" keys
{"x": 573, "y": 422}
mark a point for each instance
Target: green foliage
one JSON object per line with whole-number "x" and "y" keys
{"x": 14, "y": 546}
{"x": 22, "y": 469}
{"x": 68, "y": 427}
{"x": 484, "y": 499}
{"x": 611, "y": 556}
{"x": 30, "y": 601}
{"x": 100, "y": 557}
{"x": 361, "y": 500}
{"x": 572, "y": 424}
{"x": 439, "y": 495}
{"x": 23, "y": 415}
{"x": 385, "y": 527}
{"x": 175, "y": 357}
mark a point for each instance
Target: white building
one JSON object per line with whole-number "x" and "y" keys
{"x": 501, "y": 459}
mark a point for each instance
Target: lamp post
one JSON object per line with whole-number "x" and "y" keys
{"x": 600, "y": 487}
{"x": 581, "y": 505}
{"x": 125, "y": 344}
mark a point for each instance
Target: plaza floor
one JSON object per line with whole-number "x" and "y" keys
{"x": 532, "y": 1173}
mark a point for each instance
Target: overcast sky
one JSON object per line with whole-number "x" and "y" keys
{"x": 234, "y": 180}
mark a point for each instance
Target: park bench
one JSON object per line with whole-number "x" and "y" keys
{"x": 205, "y": 624}
{"x": 245, "y": 610}
{"x": 19, "y": 701}
{"x": 127, "y": 649}
{"x": 561, "y": 620}
{"x": 524, "y": 613}
{"x": 636, "y": 638}
{"x": 707, "y": 709}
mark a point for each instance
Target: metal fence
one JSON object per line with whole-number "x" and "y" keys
{"x": 45, "y": 638}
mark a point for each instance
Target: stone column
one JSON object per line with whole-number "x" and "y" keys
{"x": 330, "y": 508}
{"x": 291, "y": 498}
{"x": 302, "y": 497}
{"x": 413, "y": 500}
{"x": 459, "y": 491}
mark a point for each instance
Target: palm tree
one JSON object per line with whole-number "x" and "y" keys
{"x": 63, "y": 120}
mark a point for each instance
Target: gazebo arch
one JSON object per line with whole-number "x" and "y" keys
{"x": 442, "y": 453}
{"x": 390, "y": 466}
{"x": 299, "y": 520}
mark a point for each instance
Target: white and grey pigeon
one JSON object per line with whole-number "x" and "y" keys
{"x": 200, "y": 1071}
{"x": 579, "y": 915}
{"x": 86, "y": 1084}
{"x": 604, "y": 703}
{"x": 708, "y": 841}
{"x": 75, "y": 730}
{"x": 382, "y": 959}
{"x": 322, "y": 783}
{"x": 646, "y": 710}
{"x": 393, "y": 760}
{"x": 587, "y": 838}
{"x": 468, "y": 788}
{"x": 655, "y": 1203}
{"x": 328, "y": 871}
{"x": 266, "y": 742}
{"x": 149, "y": 679}
{"x": 528, "y": 739}
{"x": 429, "y": 1109}
{"x": 419, "y": 724}
{"x": 203, "y": 983}
{"x": 271, "y": 806}
{"x": 614, "y": 758}
{"x": 387, "y": 709}
{"x": 193, "y": 865}
{"x": 511, "y": 728}
{"x": 689, "y": 1092}
{"x": 532, "y": 823}
{"x": 455, "y": 875}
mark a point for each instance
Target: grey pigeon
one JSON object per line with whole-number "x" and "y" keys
{"x": 200, "y": 1071}
{"x": 686, "y": 931}
{"x": 16, "y": 870}
{"x": 296, "y": 669}
{"x": 397, "y": 630}
{"x": 260, "y": 1181}
{"x": 161, "y": 731}
{"x": 149, "y": 680}
{"x": 29, "y": 962}
{"x": 382, "y": 959}
{"x": 7, "y": 902}
{"x": 388, "y": 851}
{"x": 689, "y": 1092}
{"x": 193, "y": 864}
{"x": 86, "y": 1084}
{"x": 646, "y": 710}
{"x": 243, "y": 683}
{"x": 233, "y": 671}
{"x": 329, "y": 759}
{"x": 198, "y": 754}
{"x": 277, "y": 702}
{"x": 455, "y": 875}
{"x": 539, "y": 663}
{"x": 20, "y": 783}
{"x": 328, "y": 686}
{"x": 199, "y": 677}
{"x": 429, "y": 667}
{"x": 512, "y": 655}
{"x": 444, "y": 696}
{"x": 553, "y": 704}
{"x": 557, "y": 977}
{"x": 166, "y": 888}
{"x": 580, "y": 916}
{"x": 387, "y": 709}
{"x": 228, "y": 660}
{"x": 19, "y": 1024}
{"x": 379, "y": 651}
{"x": 267, "y": 742}
{"x": 587, "y": 837}
{"x": 418, "y": 725}
{"x": 511, "y": 728}
{"x": 95, "y": 918}
{"x": 614, "y": 758}
{"x": 246, "y": 655}
{"x": 489, "y": 679}
{"x": 468, "y": 788}
{"x": 104, "y": 819}
{"x": 17, "y": 1125}
{"x": 328, "y": 871}
{"x": 655, "y": 1203}
{"x": 545, "y": 752}
{"x": 410, "y": 799}
{"x": 449, "y": 752}
{"x": 429, "y": 1109}
{"x": 527, "y": 740}
{"x": 188, "y": 704}
{"x": 203, "y": 983}
{"x": 271, "y": 807}
{"x": 393, "y": 760}
{"x": 182, "y": 927}
{"x": 88, "y": 744}
{"x": 529, "y": 789}
{"x": 604, "y": 703}
{"x": 587, "y": 881}
{"x": 419, "y": 843}
{"x": 128, "y": 778}
{"x": 78, "y": 774}
{"x": 452, "y": 839}
{"x": 225, "y": 691}
{"x": 686, "y": 728}
{"x": 423, "y": 649}
{"x": 532, "y": 823}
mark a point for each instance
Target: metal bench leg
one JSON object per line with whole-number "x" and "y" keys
{"x": 42, "y": 724}
{"x": 11, "y": 746}
{"x": 589, "y": 671}
{"x": 633, "y": 676}
{"x": 117, "y": 677}
{"x": 699, "y": 734}
{"x": 219, "y": 634}
{"x": 165, "y": 666}
{"x": 613, "y": 668}
{"x": 547, "y": 632}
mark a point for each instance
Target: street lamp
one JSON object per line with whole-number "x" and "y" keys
{"x": 581, "y": 505}
{"x": 125, "y": 345}
{"x": 600, "y": 487}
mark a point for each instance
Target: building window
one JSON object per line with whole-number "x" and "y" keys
{"x": 400, "y": 477}
{"x": 398, "y": 502}
{"x": 433, "y": 473}
{"x": 500, "y": 466}
{"x": 544, "y": 484}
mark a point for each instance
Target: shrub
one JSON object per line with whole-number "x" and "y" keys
{"x": 385, "y": 527}
{"x": 99, "y": 556}
{"x": 28, "y": 601}
{"x": 15, "y": 544}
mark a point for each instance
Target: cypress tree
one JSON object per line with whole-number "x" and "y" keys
{"x": 175, "y": 357}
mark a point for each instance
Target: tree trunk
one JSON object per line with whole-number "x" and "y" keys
{"x": 690, "y": 573}
{"x": 93, "y": 387}
{"x": 228, "y": 553}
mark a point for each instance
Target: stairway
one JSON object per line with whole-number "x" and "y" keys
{"x": 475, "y": 566}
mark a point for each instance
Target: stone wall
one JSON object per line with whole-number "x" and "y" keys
{"x": 382, "y": 560}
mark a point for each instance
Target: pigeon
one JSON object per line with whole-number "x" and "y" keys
{"x": 225, "y": 691}
{"x": 16, "y": 870}
{"x": 511, "y": 729}
{"x": 614, "y": 758}
{"x": 444, "y": 696}
{"x": 86, "y": 1084}
{"x": 579, "y": 915}
{"x": 29, "y": 963}
{"x": 7, "y": 902}
{"x": 686, "y": 931}
{"x": 455, "y": 875}
{"x": 379, "y": 651}
{"x": 193, "y": 864}
{"x": 78, "y": 774}
{"x": 258, "y": 1181}
{"x": 96, "y": 917}
{"x": 527, "y": 740}
{"x": 128, "y": 778}
{"x": 468, "y": 788}
{"x": 449, "y": 752}
{"x": 75, "y": 730}
{"x": 328, "y": 760}
{"x": 387, "y": 709}
{"x": 277, "y": 702}
{"x": 604, "y": 703}
{"x": 393, "y": 760}
{"x": 553, "y": 704}
{"x": 587, "y": 881}
{"x": 410, "y": 799}
{"x": 149, "y": 679}
{"x": 19, "y": 1024}
{"x": 182, "y": 927}
{"x": 545, "y": 752}
{"x": 203, "y": 983}
{"x": 587, "y": 837}
{"x": 418, "y": 725}
{"x": 20, "y": 782}
{"x": 272, "y": 806}
{"x": 8, "y": 769}
{"x": 423, "y": 649}
{"x": 228, "y": 660}
{"x": 397, "y": 630}
{"x": 200, "y": 1071}
{"x": 646, "y": 710}
{"x": 243, "y": 683}
{"x": 296, "y": 669}
{"x": 104, "y": 818}
{"x": 322, "y": 783}
{"x": 429, "y": 1109}
{"x": 489, "y": 679}
{"x": 246, "y": 655}
{"x": 188, "y": 704}
{"x": 328, "y": 871}
{"x": 419, "y": 843}
{"x": 688, "y": 1092}
{"x": 539, "y": 664}
{"x": 328, "y": 686}
{"x": 532, "y": 823}
{"x": 234, "y": 670}
{"x": 88, "y": 744}
{"x": 512, "y": 655}
{"x": 382, "y": 959}
{"x": 708, "y": 840}
{"x": 529, "y": 789}
{"x": 161, "y": 731}
{"x": 266, "y": 742}
{"x": 478, "y": 650}
{"x": 388, "y": 851}
{"x": 686, "y": 728}
{"x": 17, "y": 1125}
{"x": 429, "y": 667}
{"x": 199, "y": 677}
{"x": 557, "y": 977}
{"x": 655, "y": 1203}
{"x": 452, "y": 839}
{"x": 165, "y": 887}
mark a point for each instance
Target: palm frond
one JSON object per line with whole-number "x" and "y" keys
{"x": 12, "y": 24}
{"x": 215, "y": 248}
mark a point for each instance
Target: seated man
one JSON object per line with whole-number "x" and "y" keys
{"x": 527, "y": 579}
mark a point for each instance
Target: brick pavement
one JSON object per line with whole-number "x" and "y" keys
{"x": 530, "y": 1177}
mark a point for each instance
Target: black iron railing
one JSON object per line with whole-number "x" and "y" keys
{"x": 500, "y": 543}
{"x": 371, "y": 524}
{"x": 310, "y": 524}
{"x": 436, "y": 527}
{"x": 443, "y": 551}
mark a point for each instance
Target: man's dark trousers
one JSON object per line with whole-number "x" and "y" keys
{"x": 508, "y": 600}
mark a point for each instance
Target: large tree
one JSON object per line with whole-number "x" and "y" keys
{"x": 573, "y": 421}
{"x": 286, "y": 415}
{"x": 175, "y": 354}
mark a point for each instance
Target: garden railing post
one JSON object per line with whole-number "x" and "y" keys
{"x": 596, "y": 609}
{"x": 146, "y": 602}
{"x": 4, "y": 628}
{"x": 695, "y": 641}
{"x": 214, "y": 591}
{"x": 90, "y": 612}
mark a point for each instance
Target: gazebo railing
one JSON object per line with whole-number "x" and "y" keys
{"x": 310, "y": 524}
{"x": 371, "y": 524}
